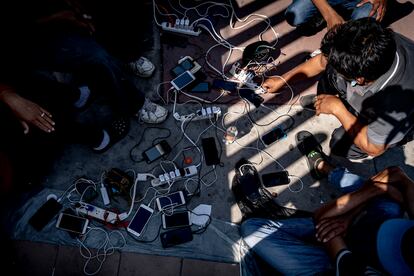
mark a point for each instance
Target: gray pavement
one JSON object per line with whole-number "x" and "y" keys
{"x": 303, "y": 192}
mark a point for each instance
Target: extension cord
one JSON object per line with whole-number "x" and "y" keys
{"x": 98, "y": 213}
{"x": 201, "y": 114}
{"x": 180, "y": 26}
{"x": 174, "y": 175}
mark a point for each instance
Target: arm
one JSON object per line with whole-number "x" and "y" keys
{"x": 329, "y": 104}
{"x": 378, "y": 7}
{"x": 27, "y": 112}
{"x": 308, "y": 69}
{"x": 331, "y": 17}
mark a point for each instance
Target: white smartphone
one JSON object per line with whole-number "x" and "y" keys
{"x": 72, "y": 223}
{"x": 183, "y": 80}
{"x": 140, "y": 220}
{"x": 172, "y": 200}
{"x": 178, "y": 219}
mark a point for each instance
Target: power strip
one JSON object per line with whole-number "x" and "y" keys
{"x": 174, "y": 175}
{"x": 201, "y": 114}
{"x": 98, "y": 213}
{"x": 181, "y": 26}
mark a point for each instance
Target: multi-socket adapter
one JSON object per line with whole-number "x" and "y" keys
{"x": 181, "y": 26}
{"x": 174, "y": 175}
{"x": 200, "y": 114}
{"x": 96, "y": 212}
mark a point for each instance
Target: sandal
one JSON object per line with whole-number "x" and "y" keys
{"x": 312, "y": 150}
{"x": 112, "y": 134}
{"x": 308, "y": 102}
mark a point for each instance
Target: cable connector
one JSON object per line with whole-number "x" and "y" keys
{"x": 142, "y": 177}
{"x": 123, "y": 216}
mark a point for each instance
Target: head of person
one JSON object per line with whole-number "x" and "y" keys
{"x": 360, "y": 49}
{"x": 395, "y": 246}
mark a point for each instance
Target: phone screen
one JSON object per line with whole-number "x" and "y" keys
{"x": 252, "y": 97}
{"x": 225, "y": 85}
{"x": 140, "y": 219}
{"x": 201, "y": 87}
{"x": 174, "y": 199}
{"x": 72, "y": 223}
{"x": 275, "y": 179}
{"x": 273, "y": 136}
{"x": 182, "y": 80}
{"x": 210, "y": 151}
{"x": 176, "y": 220}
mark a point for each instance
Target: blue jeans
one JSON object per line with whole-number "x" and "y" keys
{"x": 290, "y": 247}
{"x": 301, "y": 11}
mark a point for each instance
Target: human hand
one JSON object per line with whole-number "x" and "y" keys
{"x": 333, "y": 20}
{"x": 332, "y": 227}
{"x": 30, "y": 113}
{"x": 327, "y": 104}
{"x": 378, "y": 6}
{"x": 273, "y": 84}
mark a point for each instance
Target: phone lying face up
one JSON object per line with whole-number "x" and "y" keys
{"x": 172, "y": 200}
{"x": 72, "y": 223}
{"x": 275, "y": 179}
{"x": 140, "y": 220}
{"x": 177, "y": 219}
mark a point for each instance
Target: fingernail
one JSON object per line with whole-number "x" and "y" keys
{"x": 53, "y": 123}
{"x": 324, "y": 240}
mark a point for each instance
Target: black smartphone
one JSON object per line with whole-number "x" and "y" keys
{"x": 45, "y": 214}
{"x": 177, "y": 219}
{"x": 210, "y": 151}
{"x": 176, "y": 236}
{"x": 202, "y": 87}
{"x": 274, "y": 135}
{"x": 157, "y": 151}
{"x": 252, "y": 97}
{"x": 225, "y": 85}
{"x": 275, "y": 178}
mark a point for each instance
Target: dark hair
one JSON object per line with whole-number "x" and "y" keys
{"x": 360, "y": 48}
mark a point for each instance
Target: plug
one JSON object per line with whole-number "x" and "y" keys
{"x": 123, "y": 216}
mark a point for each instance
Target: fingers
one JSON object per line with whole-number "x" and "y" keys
{"x": 25, "y": 127}
{"x": 380, "y": 13}
{"x": 44, "y": 121}
{"x": 362, "y": 3}
{"x": 328, "y": 230}
{"x": 374, "y": 9}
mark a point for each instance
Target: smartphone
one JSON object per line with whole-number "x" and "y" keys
{"x": 72, "y": 223}
{"x": 183, "y": 80}
{"x": 176, "y": 236}
{"x": 140, "y": 220}
{"x": 210, "y": 151}
{"x": 275, "y": 178}
{"x": 171, "y": 200}
{"x": 274, "y": 135}
{"x": 45, "y": 214}
{"x": 178, "y": 219}
{"x": 157, "y": 151}
{"x": 225, "y": 85}
{"x": 202, "y": 87}
{"x": 252, "y": 97}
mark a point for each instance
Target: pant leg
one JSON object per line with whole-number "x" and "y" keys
{"x": 300, "y": 12}
{"x": 87, "y": 59}
{"x": 344, "y": 180}
{"x": 287, "y": 245}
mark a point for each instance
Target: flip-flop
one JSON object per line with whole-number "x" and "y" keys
{"x": 116, "y": 130}
{"x": 312, "y": 150}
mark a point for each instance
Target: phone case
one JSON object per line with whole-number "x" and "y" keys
{"x": 176, "y": 236}
{"x": 45, "y": 213}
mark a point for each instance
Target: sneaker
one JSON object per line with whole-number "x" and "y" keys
{"x": 152, "y": 113}
{"x": 348, "y": 264}
{"x": 112, "y": 134}
{"x": 142, "y": 67}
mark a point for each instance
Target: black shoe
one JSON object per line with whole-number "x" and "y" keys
{"x": 313, "y": 26}
{"x": 312, "y": 150}
{"x": 308, "y": 102}
{"x": 115, "y": 132}
{"x": 347, "y": 264}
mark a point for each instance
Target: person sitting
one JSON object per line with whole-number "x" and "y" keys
{"x": 362, "y": 231}
{"x": 366, "y": 84}
{"x": 310, "y": 16}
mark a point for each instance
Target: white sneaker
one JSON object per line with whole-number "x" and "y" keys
{"x": 142, "y": 67}
{"x": 152, "y": 113}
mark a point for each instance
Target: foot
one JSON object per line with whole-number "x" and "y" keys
{"x": 152, "y": 113}
{"x": 312, "y": 150}
{"x": 142, "y": 67}
{"x": 308, "y": 102}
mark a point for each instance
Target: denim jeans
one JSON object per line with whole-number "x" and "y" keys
{"x": 290, "y": 246}
{"x": 301, "y": 11}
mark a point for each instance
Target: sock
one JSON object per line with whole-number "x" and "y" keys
{"x": 84, "y": 94}
{"x": 105, "y": 141}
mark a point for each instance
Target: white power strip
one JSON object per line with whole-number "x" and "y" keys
{"x": 98, "y": 213}
{"x": 181, "y": 26}
{"x": 174, "y": 175}
{"x": 201, "y": 114}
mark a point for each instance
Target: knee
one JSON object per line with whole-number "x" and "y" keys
{"x": 294, "y": 15}
{"x": 362, "y": 12}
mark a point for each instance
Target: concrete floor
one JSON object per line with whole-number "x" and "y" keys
{"x": 45, "y": 259}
